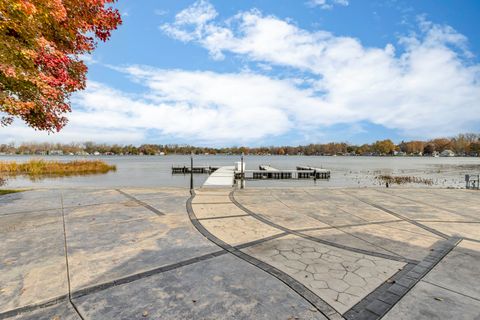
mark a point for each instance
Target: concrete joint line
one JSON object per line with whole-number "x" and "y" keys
{"x": 223, "y": 217}
{"x": 418, "y": 201}
{"x": 66, "y": 261}
{"x": 143, "y": 275}
{"x": 33, "y": 307}
{"x": 145, "y": 205}
{"x": 431, "y": 230}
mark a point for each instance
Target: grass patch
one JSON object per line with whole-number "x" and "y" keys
{"x": 4, "y": 192}
{"x": 42, "y": 168}
{"x": 403, "y": 180}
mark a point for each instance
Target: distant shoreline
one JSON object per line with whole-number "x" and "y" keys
{"x": 236, "y": 154}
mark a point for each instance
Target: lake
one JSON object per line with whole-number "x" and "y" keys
{"x": 155, "y": 171}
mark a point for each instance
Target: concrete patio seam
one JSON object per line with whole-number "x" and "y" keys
{"x": 347, "y": 225}
{"x": 142, "y": 275}
{"x": 66, "y": 261}
{"x": 33, "y": 307}
{"x": 223, "y": 217}
{"x": 431, "y": 230}
{"x": 147, "y": 206}
{"x": 445, "y": 288}
{"x": 418, "y": 201}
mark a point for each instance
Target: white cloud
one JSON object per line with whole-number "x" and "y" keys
{"x": 430, "y": 89}
{"x": 197, "y": 15}
{"x": 327, "y": 4}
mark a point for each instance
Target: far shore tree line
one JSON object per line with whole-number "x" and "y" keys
{"x": 461, "y": 145}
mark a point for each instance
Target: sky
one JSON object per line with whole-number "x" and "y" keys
{"x": 278, "y": 72}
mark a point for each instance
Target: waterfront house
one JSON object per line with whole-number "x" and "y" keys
{"x": 447, "y": 153}
{"x": 55, "y": 153}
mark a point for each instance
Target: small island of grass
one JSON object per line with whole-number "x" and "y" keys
{"x": 4, "y": 192}
{"x": 42, "y": 168}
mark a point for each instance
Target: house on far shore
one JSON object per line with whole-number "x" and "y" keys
{"x": 55, "y": 153}
{"x": 447, "y": 153}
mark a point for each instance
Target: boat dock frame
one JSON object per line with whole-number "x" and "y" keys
{"x": 196, "y": 170}
{"x": 268, "y": 172}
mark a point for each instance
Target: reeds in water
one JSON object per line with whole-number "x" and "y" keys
{"x": 39, "y": 168}
{"x": 403, "y": 179}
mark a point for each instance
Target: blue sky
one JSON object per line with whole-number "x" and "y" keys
{"x": 277, "y": 72}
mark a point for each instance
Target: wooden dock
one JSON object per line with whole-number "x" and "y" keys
{"x": 196, "y": 169}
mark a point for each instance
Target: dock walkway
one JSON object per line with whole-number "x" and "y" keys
{"x": 222, "y": 177}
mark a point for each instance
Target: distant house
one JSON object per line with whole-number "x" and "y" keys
{"x": 447, "y": 153}
{"x": 55, "y": 152}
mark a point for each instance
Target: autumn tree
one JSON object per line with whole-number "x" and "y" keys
{"x": 441, "y": 144}
{"x": 41, "y": 43}
{"x": 412, "y": 147}
{"x": 384, "y": 146}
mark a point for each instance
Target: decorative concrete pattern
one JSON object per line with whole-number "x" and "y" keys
{"x": 236, "y": 231}
{"x": 339, "y": 277}
{"x": 381, "y": 301}
{"x": 305, "y": 253}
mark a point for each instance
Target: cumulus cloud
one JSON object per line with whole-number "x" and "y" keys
{"x": 429, "y": 88}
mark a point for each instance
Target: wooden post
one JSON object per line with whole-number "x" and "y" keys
{"x": 191, "y": 171}
{"x": 241, "y": 173}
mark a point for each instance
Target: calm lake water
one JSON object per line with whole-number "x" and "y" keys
{"x": 155, "y": 171}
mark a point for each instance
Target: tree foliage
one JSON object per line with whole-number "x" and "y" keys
{"x": 40, "y": 46}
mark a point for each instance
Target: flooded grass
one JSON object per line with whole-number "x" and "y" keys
{"x": 403, "y": 180}
{"x": 37, "y": 169}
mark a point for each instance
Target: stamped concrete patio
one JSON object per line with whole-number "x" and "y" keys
{"x": 240, "y": 254}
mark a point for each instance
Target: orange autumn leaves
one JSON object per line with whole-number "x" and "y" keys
{"x": 40, "y": 44}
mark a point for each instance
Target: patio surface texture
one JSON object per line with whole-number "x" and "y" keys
{"x": 302, "y": 253}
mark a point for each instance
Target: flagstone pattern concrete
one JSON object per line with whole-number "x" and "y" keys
{"x": 302, "y": 253}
